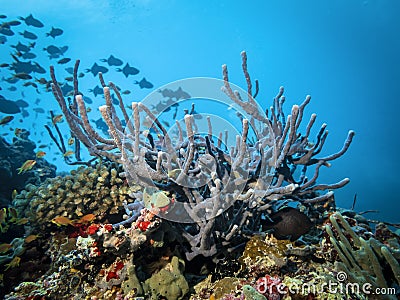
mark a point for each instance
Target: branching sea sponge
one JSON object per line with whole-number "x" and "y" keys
{"x": 214, "y": 195}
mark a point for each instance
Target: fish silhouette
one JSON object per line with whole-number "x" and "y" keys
{"x": 128, "y": 70}
{"x": 55, "y": 32}
{"x": 23, "y": 76}
{"x": 63, "y": 60}
{"x": 28, "y": 35}
{"x": 144, "y": 84}
{"x": 178, "y": 94}
{"x": 70, "y": 70}
{"x": 28, "y": 55}
{"x": 6, "y": 31}
{"x": 10, "y": 79}
{"x": 21, "y": 47}
{"x": 115, "y": 101}
{"x": 51, "y": 49}
{"x": 22, "y": 67}
{"x": 101, "y": 125}
{"x": 87, "y": 100}
{"x": 54, "y": 51}
{"x": 38, "y": 68}
{"x": 31, "y": 21}
{"x": 39, "y": 110}
{"x": 8, "y": 106}
{"x": 96, "y": 91}
{"x": 112, "y": 61}
{"x": 24, "y": 113}
{"x": 10, "y": 23}
{"x": 21, "y": 103}
{"x": 288, "y": 223}
{"x": 66, "y": 89}
{"x": 95, "y": 69}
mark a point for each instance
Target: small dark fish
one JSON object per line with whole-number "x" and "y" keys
{"x": 6, "y": 119}
{"x": 95, "y": 69}
{"x": 41, "y": 81}
{"x": 63, "y": 49}
{"x": 31, "y": 21}
{"x": 21, "y": 47}
{"x": 28, "y": 55}
{"x": 24, "y": 113}
{"x": 51, "y": 49}
{"x": 6, "y": 31}
{"x": 39, "y": 110}
{"x": 3, "y": 39}
{"x": 13, "y": 23}
{"x": 70, "y": 70}
{"x": 30, "y": 83}
{"x": 54, "y": 55}
{"x": 4, "y": 65}
{"x": 181, "y": 94}
{"x": 81, "y": 74}
{"x": 87, "y": 100}
{"x": 55, "y": 32}
{"x": 21, "y": 103}
{"x": 38, "y": 68}
{"x": 63, "y": 60}
{"x": 167, "y": 93}
{"x": 28, "y": 35}
{"x": 66, "y": 89}
{"x": 96, "y": 91}
{"x": 101, "y": 125}
{"x": 112, "y": 61}
{"x": 22, "y": 67}
{"x": 12, "y": 88}
{"x": 115, "y": 101}
{"x": 8, "y": 106}
{"x": 126, "y": 92}
{"x": 289, "y": 223}
{"x": 3, "y": 16}
{"x": 128, "y": 70}
{"x": 69, "y": 78}
{"x": 10, "y": 79}
{"x": 144, "y": 84}
{"x": 23, "y": 76}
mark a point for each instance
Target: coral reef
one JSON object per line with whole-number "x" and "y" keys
{"x": 97, "y": 190}
{"x": 174, "y": 213}
{"x": 364, "y": 260}
{"x": 168, "y": 283}
{"x": 12, "y": 156}
{"x": 222, "y": 193}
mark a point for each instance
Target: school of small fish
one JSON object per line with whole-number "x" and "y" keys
{"x": 29, "y": 46}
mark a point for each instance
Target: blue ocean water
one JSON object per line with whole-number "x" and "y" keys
{"x": 343, "y": 53}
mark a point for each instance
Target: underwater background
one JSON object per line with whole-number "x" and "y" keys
{"x": 345, "y": 54}
{"x": 109, "y": 230}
